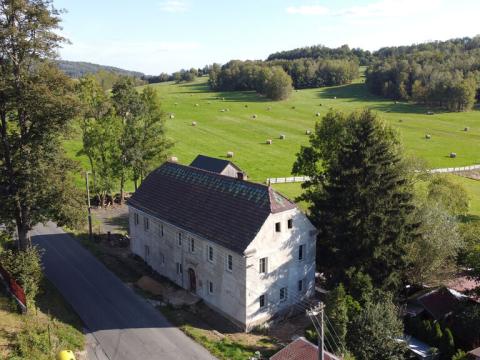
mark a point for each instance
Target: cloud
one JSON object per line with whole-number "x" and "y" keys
{"x": 308, "y": 10}
{"x": 389, "y": 8}
{"x": 173, "y": 6}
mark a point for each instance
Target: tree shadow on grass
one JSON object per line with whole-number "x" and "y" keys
{"x": 358, "y": 92}
{"x": 223, "y": 96}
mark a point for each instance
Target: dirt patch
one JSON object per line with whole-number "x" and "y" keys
{"x": 170, "y": 294}
{"x": 113, "y": 219}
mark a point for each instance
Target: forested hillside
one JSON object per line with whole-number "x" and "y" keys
{"x": 444, "y": 74}
{"x": 77, "y": 69}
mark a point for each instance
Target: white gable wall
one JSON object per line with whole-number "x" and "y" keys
{"x": 284, "y": 270}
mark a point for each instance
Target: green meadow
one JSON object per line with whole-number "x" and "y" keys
{"x": 242, "y": 121}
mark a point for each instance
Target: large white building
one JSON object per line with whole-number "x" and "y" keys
{"x": 246, "y": 250}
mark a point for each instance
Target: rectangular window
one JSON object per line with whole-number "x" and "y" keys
{"x": 179, "y": 269}
{"x": 263, "y": 265}
{"x": 210, "y": 253}
{"x": 162, "y": 258}
{"x": 135, "y": 218}
{"x": 300, "y": 285}
{"x": 210, "y": 287}
{"x": 146, "y": 223}
{"x": 229, "y": 262}
{"x": 290, "y": 223}
{"x": 301, "y": 252}
{"x": 262, "y": 300}
{"x": 278, "y": 227}
{"x": 191, "y": 246}
{"x": 283, "y": 294}
{"x": 179, "y": 239}
{"x": 161, "y": 229}
{"x": 147, "y": 251}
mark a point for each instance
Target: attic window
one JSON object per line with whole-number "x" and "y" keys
{"x": 240, "y": 175}
{"x": 278, "y": 227}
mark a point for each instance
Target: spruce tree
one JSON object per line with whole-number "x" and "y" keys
{"x": 360, "y": 198}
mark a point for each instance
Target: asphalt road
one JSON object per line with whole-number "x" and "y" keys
{"x": 123, "y": 324}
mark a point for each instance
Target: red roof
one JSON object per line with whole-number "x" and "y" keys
{"x": 440, "y": 302}
{"x": 301, "y": 349}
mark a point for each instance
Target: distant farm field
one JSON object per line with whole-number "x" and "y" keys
{"x": 241, "y": 122}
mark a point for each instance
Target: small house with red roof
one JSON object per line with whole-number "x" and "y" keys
{"x": 242, "y": 247}
{"x": 302, "y": 349}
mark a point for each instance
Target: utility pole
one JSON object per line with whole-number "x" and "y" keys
{"x": 318, "y": 311}
{"x": 90, "y": 234}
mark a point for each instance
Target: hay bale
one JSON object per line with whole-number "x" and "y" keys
{"x": 428, "y": 136}
{"x": 269, "y": 142}
{"x": 197, "y": 105}
{"x": 254, "y": 116}
{"x": 173, "y": 159}
{"x": 334, "y": 98}
{"x": 395, "y": 102}
{"x": 175, "y": 104}
{"x": 430, "y": 113}
{"x": 453, "y": 155}
{"x": 223, "y": 99}
{"x": 282, "y": 136}
{"x": 308, "y": 132}
{"x": 194, "y": 123}
{"x": 172, "y": 116}
{"x": 222, "y": 110}
{"x": 317, "y": 114}
{"x": 466, "y": 129}
{"x": 229, "y": 154}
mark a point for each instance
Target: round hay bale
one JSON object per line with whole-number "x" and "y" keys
{"x": 430, "y": 113}
{"x": 282, "y": 136}
{"x": 222, "y": 110}
{"x": 334, "y": 98}
{"x": 269, "y": 142}
{"x": 317, "y": 114}
{"x": 453, "y": 155}
{"x": 172, "y": 116}
{"x": 254, "y": 116}
{"x": 197, "y": 105}
{"x": 466, "y": 129}
{"x": 308, "y": 132}
{"x": 223, "y": 98}
{"x": 173, "y": 159}
{"x": 194, "y": 123}
{"x": 428, "y": 136}
{"x": 229, "y": 154}
{"x": 395, "y": 102}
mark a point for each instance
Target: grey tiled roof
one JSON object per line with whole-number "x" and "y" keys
{"x": 222, "y": 209}
{"x": 211, "y": 164}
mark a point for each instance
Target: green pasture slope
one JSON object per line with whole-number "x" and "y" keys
{"x": 225, "y": 122}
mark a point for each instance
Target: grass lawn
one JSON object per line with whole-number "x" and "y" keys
{"x": 39, "y": 335}
{"x": 225, "y": 123}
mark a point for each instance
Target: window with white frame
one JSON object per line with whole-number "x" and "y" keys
{"x": 135, "y": 218}
{"x": 210, "y": 287}
{"x": 230, "y": 262}
{"x": 278, "y": 227}
{"x": 301, "y": 252}
{"x": 210, "y": 253}
{"x": 290, "y": 223}
{"x": 263, "y": 265}
{"x": 262, "y": 301}
{"x": 191, "y": 245}
{"x": 179, "y": 269}
{"x": 146, "y": 223}
{"x": 283, "y": 294}
{"x": 301, "y": 285}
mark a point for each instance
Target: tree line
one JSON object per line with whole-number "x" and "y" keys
{"x": 178, "y": 76}
{"x": 320, "y": 52}
{"x": 444, "y": 74}
{"x": 276, "y": 79}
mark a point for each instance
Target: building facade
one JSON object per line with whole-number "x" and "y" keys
{"x": 246, "y": 250}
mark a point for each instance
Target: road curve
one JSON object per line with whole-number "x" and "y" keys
{"x": 124, "y": 325}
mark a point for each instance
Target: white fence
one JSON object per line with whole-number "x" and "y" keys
{"x": 295, "y": 179}
{"x": 455, "y": 169}
{"x": 283, "y": 180}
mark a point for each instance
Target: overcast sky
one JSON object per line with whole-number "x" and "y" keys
{"x": 155, "y": 36}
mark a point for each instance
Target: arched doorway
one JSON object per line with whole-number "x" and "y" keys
{"x": 192, "y": 280}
